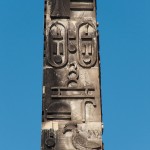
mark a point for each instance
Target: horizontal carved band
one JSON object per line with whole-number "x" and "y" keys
{"x": 81, "y": 6}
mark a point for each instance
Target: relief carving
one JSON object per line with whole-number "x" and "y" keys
{"x": 72, "y": 93}
{"x": 49, "y": 139}
{"x": 59, "y": 110}
{"x": 73, "y": 75}
{"x": 81, "y": 139}
{"x": 84, "y": 107}
{"x": 72, "y": 47}
{"x": 71, "y": 109}
{"x": 57, "y": 54}
{"x": 87, "y": 46}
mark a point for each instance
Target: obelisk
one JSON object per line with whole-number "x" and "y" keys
{"x": 71, "y": 105}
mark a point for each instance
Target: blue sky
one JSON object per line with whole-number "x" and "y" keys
{"x": 125, "y": 51}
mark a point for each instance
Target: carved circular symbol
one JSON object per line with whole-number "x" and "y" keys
{"x": 72, "y": 83}
{"x": 90, "y": 92}
{"x": 87, "y": 59}
{"x": 72, "y": 48}
{"x": 58, "y": 59}
{"x": 50, "y": 142}
{"x": 73, "y": 75}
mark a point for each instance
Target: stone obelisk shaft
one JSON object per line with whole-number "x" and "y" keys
{"x": 72, "y": 108}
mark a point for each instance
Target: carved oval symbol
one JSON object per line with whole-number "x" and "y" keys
{"x": 57, "y": 55}
{"x": 50, "y": 142}
{"x": 72, "y": 48}
{"x": 87, "y": 45}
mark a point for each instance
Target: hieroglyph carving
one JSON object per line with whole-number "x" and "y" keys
{"x": 57, "y": 54}
{"x": 87, "y": 46}
{"x": 81, "y": 139}
{"x": 71, "y": 105}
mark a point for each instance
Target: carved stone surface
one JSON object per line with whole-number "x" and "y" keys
{"x": 60, "y": 8}
{"x": 71, "y": 105}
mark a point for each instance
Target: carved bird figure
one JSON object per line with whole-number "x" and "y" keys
{"x": 80, "y": 138}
